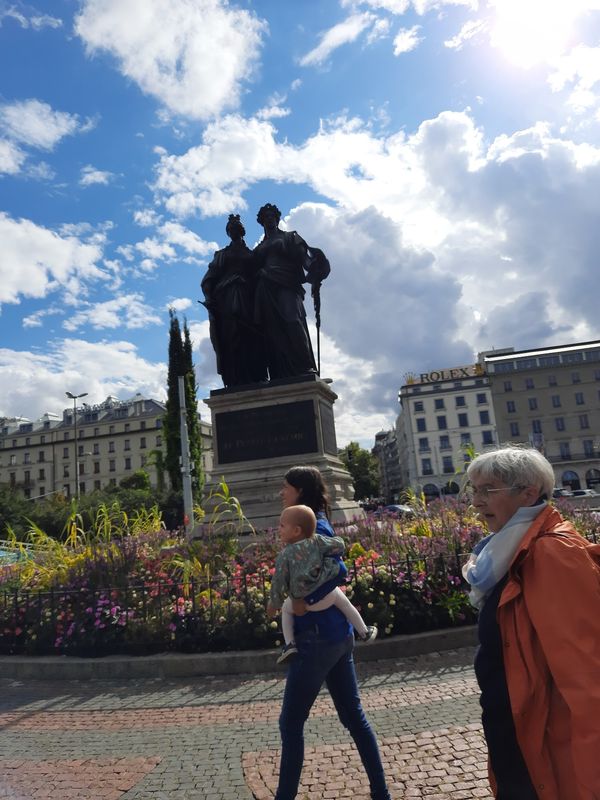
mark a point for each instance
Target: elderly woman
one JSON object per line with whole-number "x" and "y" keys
{"x": 536, "y": 582}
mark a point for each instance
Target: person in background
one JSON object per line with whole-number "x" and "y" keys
{"x": 536, "y": 583}
{"x": 324, "y": 641}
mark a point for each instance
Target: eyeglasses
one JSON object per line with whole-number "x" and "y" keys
{"x": 472, "y": 491}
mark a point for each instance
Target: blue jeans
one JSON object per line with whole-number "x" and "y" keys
{"x": 321, "y": 661}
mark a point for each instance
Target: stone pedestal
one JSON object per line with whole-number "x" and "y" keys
{"x": 262, "y": 430}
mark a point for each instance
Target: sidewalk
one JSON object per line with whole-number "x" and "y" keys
{"x": 216, "y": 737}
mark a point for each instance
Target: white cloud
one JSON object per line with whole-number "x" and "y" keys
{"x": 469, "y": 30}
{"x": 393, "y": 6}
{"x": 35, "y": 21}
{"x": 192, "y": 55}
{"x": 179, "y": 304}
{"x": 343, "y": 33}
{"x": 98, "y": 368}
{"x": 90, "y": 176}
{"x": 407, "y": 39}
{"x": 127, "y": 311}
{"x": 146, "y": 218}
{"x": 165, "y": 246}
{"x": 11, "y": 157}
{"x": 35, "y": 261}
{"x": 579, "y": 69}
{"x": 36, "y": 124}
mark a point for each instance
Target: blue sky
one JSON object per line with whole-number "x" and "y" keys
{"x": 444, "y": 155}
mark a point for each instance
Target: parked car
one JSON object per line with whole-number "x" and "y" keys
{"x": 394, "y": 510}
{"x": 585, "y": 493}
{"x": 562, "y": 492}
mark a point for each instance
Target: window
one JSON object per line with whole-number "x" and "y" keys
{"x": 13, "y": 480}
{"x": 27, "y": 441}
{"x": 579, "y": 398}
{"x": 41, "y": 456}
{"x": 559, "y": 423}
{"x": 555, "y": 401}
{"x": 532, "y": 403}
{"x": 565, "y": 450}
{"x": 511, "y": 406}
{"x": 447, "y": 464}
{"x": 97, "y": 486}
{"x": 159, "y": 422}
{"x": 27, "y": 477}
{"x": 111, "y": 447}
{"x": 159, "y": 439}
{"x": 588, "y": 448}
{"x": 111, "y": 429}
{"x": 529, "y": 384}
{"x": 65, "y": 471}
{"x": 460, "y": 401}
{"x": 41, "y": 475}
{"x": 487, "y": 437}
{"x": 421, "y": 425}
{"x": 439, "y": 404}
{"x": 27, "y": 493}
{"x": 481, "y": 399}
{"x": 508, "y": 386}
{"x": 575, "y": 377}
{"x": 42, "y": 439}
{"x": 583, "y": 421}
{"x": 66, "y": 436}
{"x": 42, "y": 491}
{"x": 441, "y": 423}
{"x": 127, "y": 445}
{"x": 97, "y": 433}
{"x": 127, "y": 426}
{"x": 128, "y": 463}
{"x": 112, "y": 482}
{"x": 13, "y": 460}
{"x": 144, "y": 459}
{"x": 426, "y": 466}
{"x": 463, "y": 420}
{"x": 597, "y": 374}
{"x": 143, "y": 425}
{"x": 143, "y": 443}
{"x": 96, "y": 467}
{"x": 80, "y": 450}
{"x": 514, "y": 429}
{"x": 96, "y": 449}
{"x": 111, "y": 465}
{"x": 424, "y": 444}
{"x": 465, "y": 438}
{"x": 479, "y": 382}
{"x": 80, "y": 434}
{"x": 444, "y": 442}
{"x": 536, "y": 425}
{"x": 572, "y": 358}
{"x": 65, "y": 452}
{"x": 552, "y": 380}
{"x": 484, "y": 417}
{"x": 549, "y": 361}
{"x": 82, "y": 469}
{"x": 419, "y": 406}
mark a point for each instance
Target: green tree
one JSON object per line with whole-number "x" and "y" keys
{"x": 138, "y": 480}
{"x": 363, "y": 467}
{"x": 181, "y": 364}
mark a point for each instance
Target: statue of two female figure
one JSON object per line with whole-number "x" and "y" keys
{"x": 270, "y": 317}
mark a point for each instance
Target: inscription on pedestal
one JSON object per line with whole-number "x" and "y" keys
{"x": 266, "y": 432}
{"x": 328, "y": 428}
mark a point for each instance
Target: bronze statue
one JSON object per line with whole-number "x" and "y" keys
{"x": 284, "y": 262}
{"x": 255, "y": 303}
{"x": 229, "y": 298}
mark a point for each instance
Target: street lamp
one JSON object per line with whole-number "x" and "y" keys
{"x": 75, "y": 398}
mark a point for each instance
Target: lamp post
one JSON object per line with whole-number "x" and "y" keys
{"x": 75, "y": 398}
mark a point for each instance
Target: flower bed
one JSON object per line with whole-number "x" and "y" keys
{"x": 150, "y": 592}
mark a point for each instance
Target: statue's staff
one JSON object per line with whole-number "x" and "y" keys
{"x": 316, "y": 295}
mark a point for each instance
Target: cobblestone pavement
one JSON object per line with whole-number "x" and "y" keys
{"x": 217, "y": 738}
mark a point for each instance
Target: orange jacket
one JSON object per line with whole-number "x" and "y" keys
{"x": 549, "y": 618}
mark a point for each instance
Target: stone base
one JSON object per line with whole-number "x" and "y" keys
{"x": 262, "y": 430}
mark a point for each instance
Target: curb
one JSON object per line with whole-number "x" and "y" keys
{"x": 179, "y": 665}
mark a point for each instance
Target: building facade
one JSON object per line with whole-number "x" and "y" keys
{"x": 390, "y": 475}
{"x": 443, "y": 413}
{"x": 110, "y": 441}
{"x": 550, "y": 398}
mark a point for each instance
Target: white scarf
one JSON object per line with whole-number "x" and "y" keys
{"x": 486, "y": 566}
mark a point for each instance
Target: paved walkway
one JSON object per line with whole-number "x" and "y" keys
{"x": 216, "y": 738}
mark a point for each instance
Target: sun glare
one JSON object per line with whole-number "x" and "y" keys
{"x": 531, "y": 32}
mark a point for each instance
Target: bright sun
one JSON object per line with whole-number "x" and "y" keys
{"x": 531, "y": 32}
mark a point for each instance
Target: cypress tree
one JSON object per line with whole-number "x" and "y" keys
{"x": 180, "y": 363}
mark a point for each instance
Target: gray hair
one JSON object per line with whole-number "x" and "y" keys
{"x": 514, "y": 466}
